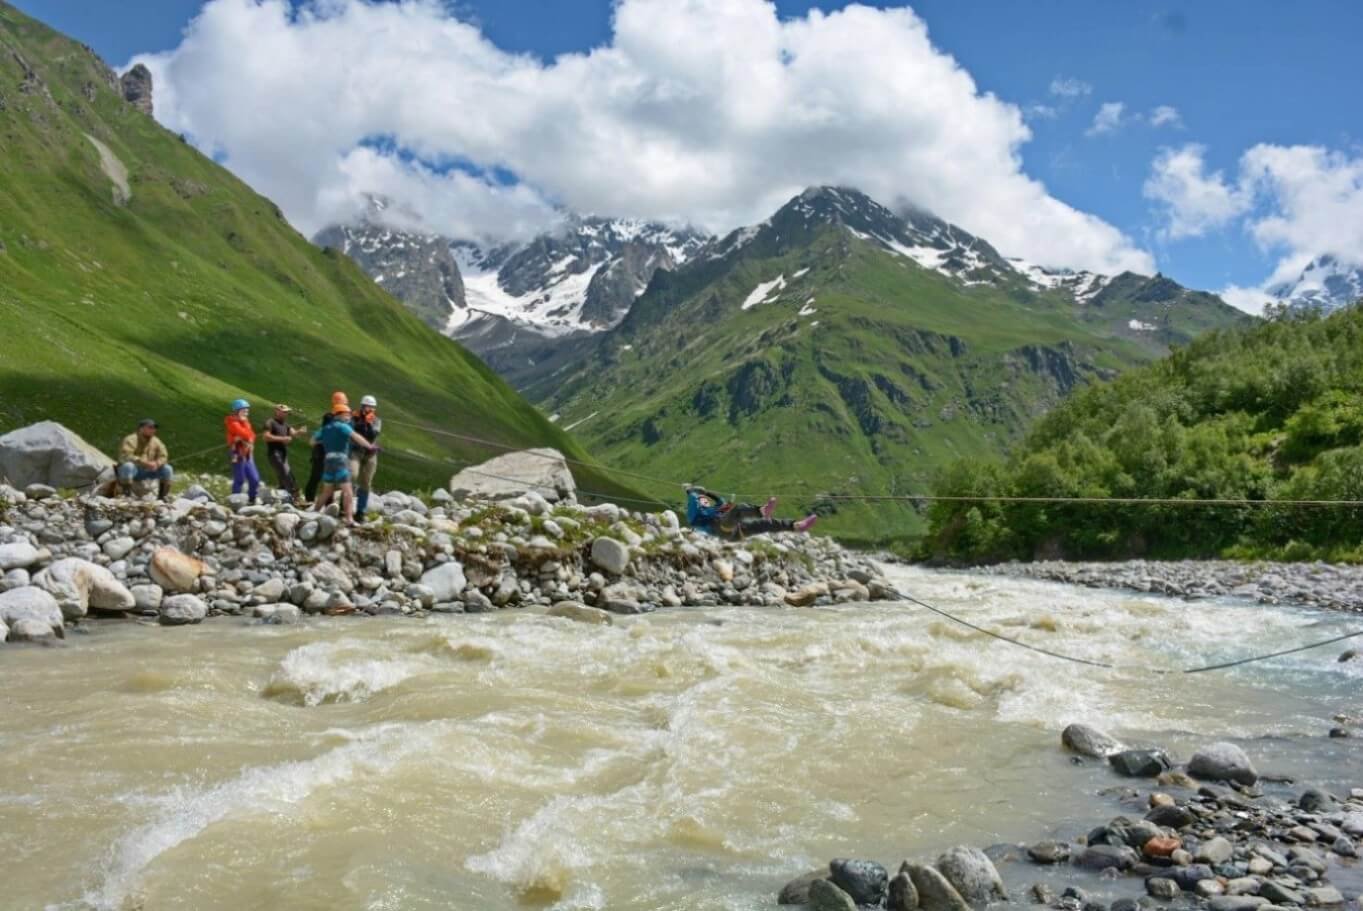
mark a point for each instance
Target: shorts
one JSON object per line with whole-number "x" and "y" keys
{"x": 335, "y": 468}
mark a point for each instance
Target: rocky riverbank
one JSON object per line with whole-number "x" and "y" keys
{"x": 1204, "y": 835}
{"x": 1326, "y": 585}
{"x": 67, "y": 559}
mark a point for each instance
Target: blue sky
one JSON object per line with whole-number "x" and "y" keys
{"x": 1238, "y": 74}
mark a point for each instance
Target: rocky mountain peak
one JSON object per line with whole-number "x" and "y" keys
{"x": 1326, "y": 284}
{"x": 137, "y": 88}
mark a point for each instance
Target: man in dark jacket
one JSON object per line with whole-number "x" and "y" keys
{"x": 319, "y": 458}
{"x": 363, "y": 463}
{"x": 278, "y": 436}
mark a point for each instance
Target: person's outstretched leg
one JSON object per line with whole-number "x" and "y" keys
{"x": 768, "y": 526}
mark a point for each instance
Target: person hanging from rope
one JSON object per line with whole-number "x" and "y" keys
{"x": 241, "y": 446}
{"x": 278, "y": 437}
{"x": 710, "y": 513}
{"x": 337, "y": 438}
{"x": 364, "y": 463}
{"x": 143, "y": 457}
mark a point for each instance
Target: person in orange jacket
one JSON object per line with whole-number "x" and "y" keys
{"x": 241, "y": 444}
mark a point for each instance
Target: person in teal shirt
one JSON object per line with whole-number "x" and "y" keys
{"x": 336, "y": 439}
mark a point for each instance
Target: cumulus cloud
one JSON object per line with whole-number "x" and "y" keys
{"x": 1192, "y": 200}
{"x": 712, "y": 112}
{"x": 1109, "y": 119}
{"x": 1068, "y": 87}
{"x": 1297, "y": 202}
{"x": 1166, "y": 116}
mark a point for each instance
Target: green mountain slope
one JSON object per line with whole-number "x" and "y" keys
{"x": 812, "y": 355}
{"x": 184, "y": 289}
{"x": 1273, "y": 412}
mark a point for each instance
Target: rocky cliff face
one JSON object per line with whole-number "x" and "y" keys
{"x": 417, "y": 269}
{"x": 137, "y": 88}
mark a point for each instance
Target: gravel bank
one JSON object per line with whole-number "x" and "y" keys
{"x": 1336, "y": 587}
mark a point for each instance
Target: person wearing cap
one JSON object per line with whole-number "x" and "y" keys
{"x": 241, "y": 445}
{"x": 336, "y": 439}
{"x": 278, "y": 436}
{"x": 143, "y": 457}
{"x": 365, "y": 463}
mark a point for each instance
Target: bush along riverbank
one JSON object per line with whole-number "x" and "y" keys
{"x": 68, "y": 559}
{"x": 1327, "y": 585}
{"x": 1205, "y": 836}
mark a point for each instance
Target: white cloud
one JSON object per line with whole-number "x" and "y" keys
{"x": 1166, "y": 116}
{"x": 1041, "y": 112}
{"x": 1109, "y": 119}
{"x": 1250, "y": 300}
{"x": 1297, "y": 202}
{"x": 713, "y": 112}
{"x": 1068, "y": 87}
{"x": 1193, "y": 201}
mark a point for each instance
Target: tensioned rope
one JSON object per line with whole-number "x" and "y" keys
{"x": 913, "y": 498}
{"x": 1224, "y": 665}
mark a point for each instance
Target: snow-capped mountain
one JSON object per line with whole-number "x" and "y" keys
{"x": 1326, "y": 284}
{"x": 418, "y": 269}
{"x": 581, "y": 278}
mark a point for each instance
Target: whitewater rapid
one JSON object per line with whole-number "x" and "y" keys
{"x": 684, "y": 759}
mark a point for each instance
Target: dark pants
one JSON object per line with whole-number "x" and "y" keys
{"x": 279, "y": 461}
{"x": 319, "y": 458}
{"x": 745, "y": 519}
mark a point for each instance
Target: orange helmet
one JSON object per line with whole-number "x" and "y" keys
{"x": 340, "y": 408}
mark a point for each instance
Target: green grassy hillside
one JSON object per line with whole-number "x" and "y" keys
{"x": 1273, "y": 412}
{"x": 189, "y": 289}
{"x": 863, "y": 373}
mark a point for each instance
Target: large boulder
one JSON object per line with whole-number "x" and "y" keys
{"x": 1222, "y": 762}
{"x": 543, "y": 471}
{"x": 174, "y": 571}
{"x": 864, "y": 880}
{"x": 24, "y": 609}
{"x": 18, "y": 555}
{"x": 972, "y": 874}
{"x": 445, "y": 581}
{"x": 48, "y": 453}
{"x": 81, "y": 586}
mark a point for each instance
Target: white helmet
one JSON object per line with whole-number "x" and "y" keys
{"x": 370, "y": 401}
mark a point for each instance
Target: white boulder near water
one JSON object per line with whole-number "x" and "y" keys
{"x": 50, "y": 454}
{"x": 80, "y": 586}
{"x": 541, "y": 471}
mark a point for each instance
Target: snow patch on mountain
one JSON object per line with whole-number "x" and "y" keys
{"x": 1326, "y": 284}
{"x": 762, "y": 293}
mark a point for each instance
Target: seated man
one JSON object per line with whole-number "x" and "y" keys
{"x": 143, "y": 457}
{"x": 709, "y": 513}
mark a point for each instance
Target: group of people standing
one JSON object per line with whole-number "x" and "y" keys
{"x": 345, "y": 455}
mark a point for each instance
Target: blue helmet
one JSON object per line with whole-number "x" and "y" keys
{"x": 239, "y": 404}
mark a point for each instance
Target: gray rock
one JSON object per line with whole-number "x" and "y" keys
{"x": 1049, "y": 852}
{"x": 1324, "y": 896}
{"x": 475, "y": 602}
{"x": 1236, "y": 903}
{"x": 610, "y": 555}
{"x": 38, "y": 492}
{"x": 1188, "y": 877}
{"x": 1088, "y": 741}
{"x": 446, "y": 581}
{"x": 796, "y": 892}
{"x": 18, "y": 555}
{"x": 4, "y": 631}
{"x": 1344, "y": 847}
{"x": 972, "y": 874}
{"x": 1222, "y": 762}
{"x": 137, "y": 88}
{"x": 270, "y": 591}
{"x": 902, "y": 895}
{"x": 48, "y": 453}
{"x": 824, "y": 896}
{"x": 286, "y": 524}
{"x": 179, "y": 610}
{"x": 1280, "y": 894}
{"x": 1140, "y": 763}
{"x": 33, "y": 605}
{"x": 1314, "y": 800}
{"x": 1101, "y": 857}
{"x": 329, "y": 576}
{"x": 118, "y": 548}
{"x": 864, "y": 880}
{"x": 1214, "y": 851}
{"x": 1171, "y": 817}
{"x": 572, "y": 610}
{"x": 147, "y": 598}
{"x": 542, "y": 471}
{"x": 934, "y": 892}
{"x": 81, "y": 586}
{"x": 277, "y": 613}
{"x": 29, "y": 630}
